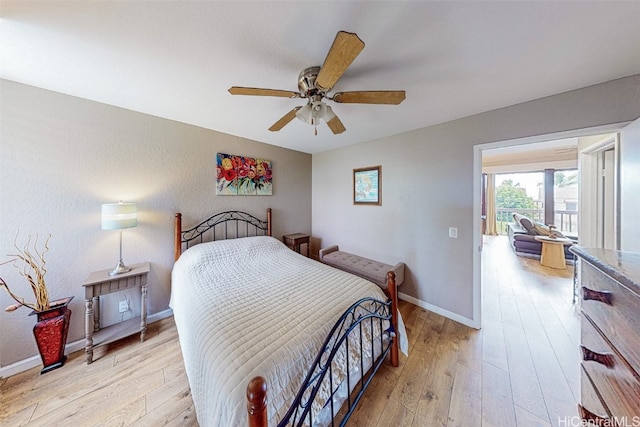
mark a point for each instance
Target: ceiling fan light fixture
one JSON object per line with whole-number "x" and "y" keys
{"x": 312, "y": 112}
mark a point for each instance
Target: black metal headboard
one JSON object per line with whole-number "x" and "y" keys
{"x": 221, "y": 226}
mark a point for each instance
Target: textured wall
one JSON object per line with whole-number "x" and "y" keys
{"x": 62, "y": 157}
{"x": 427, "y": 187}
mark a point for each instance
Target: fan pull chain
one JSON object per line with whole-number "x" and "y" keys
{"x": 316, "y": 130}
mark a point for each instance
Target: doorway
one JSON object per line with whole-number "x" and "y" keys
{"x": 584, "y": 208}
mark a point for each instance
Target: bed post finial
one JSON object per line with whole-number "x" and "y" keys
{"x": 257, "y": 402}
{"x": 393, "y": 295}
{"x": 177, "y": 236}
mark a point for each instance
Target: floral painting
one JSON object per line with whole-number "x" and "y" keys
{"x": 243, "y": 176}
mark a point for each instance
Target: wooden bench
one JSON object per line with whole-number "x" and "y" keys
{"x": 369, "y": 269}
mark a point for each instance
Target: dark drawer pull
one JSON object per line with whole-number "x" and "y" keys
{"x": 601, "y": 358}
{"x": 590, "y": 294}
{"x": 597, "y": 420}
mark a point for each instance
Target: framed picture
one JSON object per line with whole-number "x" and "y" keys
{"x": 243, "y": 176}
{"x": 367, "y": 186}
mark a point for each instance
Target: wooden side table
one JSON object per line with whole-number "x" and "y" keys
{"x": 295, "y": 240}
{"x": 100, "y": 283}
{"x": 552, "y": 254}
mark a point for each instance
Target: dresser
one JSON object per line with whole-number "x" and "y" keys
{"x": 609, "y": 296}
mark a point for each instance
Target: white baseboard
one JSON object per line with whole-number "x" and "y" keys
{"x": 448, "y": 314}
{"x": 33, "y": 361}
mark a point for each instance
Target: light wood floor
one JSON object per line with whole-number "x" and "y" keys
{"x": 520, "y": 369}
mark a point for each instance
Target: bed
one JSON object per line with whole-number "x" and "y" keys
{"x": 270, "y": 337}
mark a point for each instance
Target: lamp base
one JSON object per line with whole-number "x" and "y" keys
{"x": 120, "y": 268}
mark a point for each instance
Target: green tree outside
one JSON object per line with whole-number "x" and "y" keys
{"x": 562, "y": 179}
{"x": 511, "y": 196}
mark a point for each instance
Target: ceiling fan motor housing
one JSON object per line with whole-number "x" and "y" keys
{"x": 307, "y": 82}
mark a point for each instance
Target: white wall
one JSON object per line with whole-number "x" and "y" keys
{"x": 428, "y": 185}
{"x": 62, "y": 157}
{"x": 630, "y": 187}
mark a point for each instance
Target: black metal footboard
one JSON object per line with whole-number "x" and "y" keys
{"x": 345, "y": 365}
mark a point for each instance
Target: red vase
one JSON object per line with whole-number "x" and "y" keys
{"x": 51, "y": 331}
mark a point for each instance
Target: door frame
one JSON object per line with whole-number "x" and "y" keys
{"x": 590, "y": 163}
{"x": 476, "y": 321}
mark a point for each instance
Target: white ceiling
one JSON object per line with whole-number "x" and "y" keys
{"x": 561, "y": 153}
{"x": 454, "y": 59}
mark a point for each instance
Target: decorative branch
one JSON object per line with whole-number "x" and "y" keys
{"x": 33, "y": 269}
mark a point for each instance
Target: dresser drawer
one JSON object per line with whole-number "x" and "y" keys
{"x": 615, "y": 310}
{"x": 614, "y": 380}
{"x": 590, "y": 399}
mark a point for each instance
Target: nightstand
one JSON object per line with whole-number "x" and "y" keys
{"x": 295, "y": 240}
{"x": 101, "y": 283}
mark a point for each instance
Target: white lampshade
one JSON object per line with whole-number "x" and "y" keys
{"x": 116, "y": 216}
{"x": 305, "y": 114}
{"x": 318, "y": 108}
{"x": 329, "y": 114}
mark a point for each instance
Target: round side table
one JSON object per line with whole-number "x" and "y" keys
{"x": 553, "y": 251}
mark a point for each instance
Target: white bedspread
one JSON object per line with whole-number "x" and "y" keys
{"x": 248, "y": 307}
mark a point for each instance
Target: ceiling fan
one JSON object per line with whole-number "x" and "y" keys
{"x": 314, "y": 84}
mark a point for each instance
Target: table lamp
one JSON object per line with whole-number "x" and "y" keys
{"x": 118, "y": 216}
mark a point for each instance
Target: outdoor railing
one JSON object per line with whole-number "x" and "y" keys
{"x": 566, "y": 221}
{"x": 504, "y": 216}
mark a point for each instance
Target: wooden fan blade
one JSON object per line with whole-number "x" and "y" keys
{"x": 284, "y": 120}
{"x": 239, "y": 90}
{"x": 345, "y": 48}
{"x": 371, "y": 97}
{"x": 336, "y": 125}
